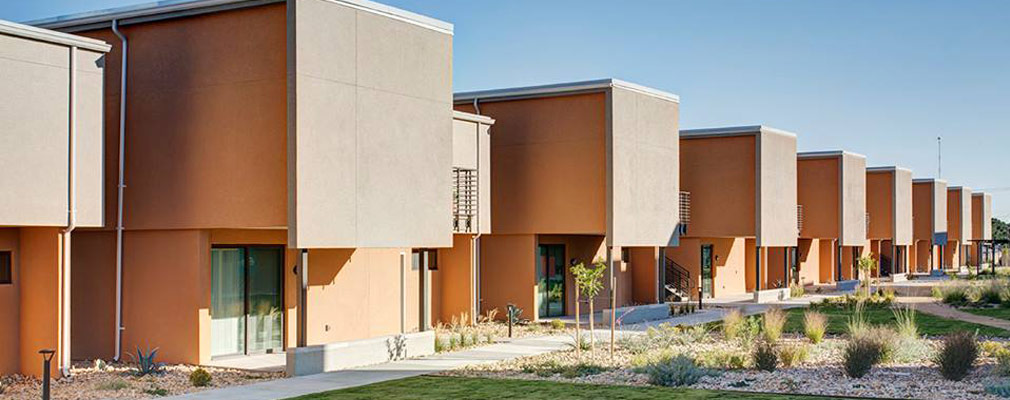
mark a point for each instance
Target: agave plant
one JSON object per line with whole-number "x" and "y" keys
{"x": 145, "y": 362}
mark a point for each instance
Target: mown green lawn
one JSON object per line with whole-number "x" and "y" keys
{"x": 442, "y": 387}
{"x": 928, "y": 324}
{"x": 998, "y": 312}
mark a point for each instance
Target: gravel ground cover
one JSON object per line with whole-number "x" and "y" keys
{"x": 117, "y": 381}
{"x": 911, "y": 373}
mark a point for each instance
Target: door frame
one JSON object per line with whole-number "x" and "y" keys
{"x": 564, "y": 278}
{"x": 711, "y": 270}
{"x": 245, "y": 284}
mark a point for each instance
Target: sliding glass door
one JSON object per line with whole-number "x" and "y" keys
{"x": 246, "y": 303}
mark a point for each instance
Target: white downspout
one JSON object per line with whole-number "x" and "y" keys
{"x": 475, "y": 262}
{"x": 71, "y": 219}
{"x": 119, "y": 188}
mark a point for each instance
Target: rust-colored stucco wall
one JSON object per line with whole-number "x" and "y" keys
{"x": 880, "y": 204}
{"x": 548, "y": 163}
{"x": 508, "y": 258}
{"x": 206, "y": 119}
{"x": 451, "y": 283}
{"x": 642, "y": 263}
{"x": 93, "y": 294}
{"x": 818, "y": 189}
{"x": 10, "y": 306}
{"x": 40, "y": 296}
{"x": 720, "y": 175}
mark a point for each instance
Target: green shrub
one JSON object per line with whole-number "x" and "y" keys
{"x": 732, "y": 323}
{"x": 905, "y": 322}
{"x": 936, "y": 292}
{"x": 814, "y": 325}
{"x": 774, "y": 320}
{"x": 112, "y": 386}
{"x": 723, "y": 359}
{"x": 989, "y": 292}
{"x": 678, "y": 371}
{"x": 1002, "y": 357}
{"x": 199, "y": 377}
{"x": 860, "y": 356}
{"x": 857, "y": 324}
{"x": 765, "y": 358}
{"x": 793, "y": 354}
{"x": 955, "y": 294}
{"x": 582, "y": 369}
{"x": 557, "y": 324}
{"x": 796, "y": 290}
{"x": 156, "y": 391}
{"x": 957, "y": 355}
{"x": 999, "y": 389}
{"x": 990, "y": 348}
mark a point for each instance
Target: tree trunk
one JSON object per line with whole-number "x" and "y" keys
{"x": 592, "y": 333}
{"x": 578, "y": 326}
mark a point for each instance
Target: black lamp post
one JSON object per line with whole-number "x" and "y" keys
{"x": 47, "y": 358}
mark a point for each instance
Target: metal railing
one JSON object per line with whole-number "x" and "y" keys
{"x": 799, "y": 218}
{"x": 678, "y": 280}
{"x": 464, "y": 200}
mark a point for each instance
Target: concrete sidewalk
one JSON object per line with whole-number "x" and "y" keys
{"x": 931, "y": 306}
{"x": 292, "y": 387}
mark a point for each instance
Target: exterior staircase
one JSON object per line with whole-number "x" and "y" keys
{"x": 677, "y": 281}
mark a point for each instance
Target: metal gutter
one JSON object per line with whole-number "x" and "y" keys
{"x": 169, "y": 9}
{"x": 729, "y": 131}
{"x": 929, "y": 180}
{"x": 465, "y": 116}
{"x": 888, "y": 168}
{"x": 49, "y": 36}
{"x": 827, "y": 154}
{"x": 560, "y": 89}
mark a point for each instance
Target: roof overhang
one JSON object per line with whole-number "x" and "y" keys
{"x": 50, "y": 36}
{"x": 559, "y": 89}
{"x": 747, "y": 130}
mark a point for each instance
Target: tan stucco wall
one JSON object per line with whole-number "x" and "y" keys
{"x": 35, "y": 144}
{"x": 471, "y": 149}
{"x": 853, "y": 200}
{"x": 776, "y": 220}
{"x": 548, "y": 164}
{"x": 981, "y": 216}
{"x": 719, "y": 172}
{"x": 818, "y": 182}
{"x": 643, "y": 177}
{"x": 903, "y": 222}
{"x": 369, "y": 127}
{"x": 205, "y": 121}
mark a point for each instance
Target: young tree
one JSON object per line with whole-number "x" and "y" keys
{"x": 866, "y": 264}
{"x": 588, "y": 281}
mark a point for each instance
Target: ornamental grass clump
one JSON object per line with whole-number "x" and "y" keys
{"x": 732, "y": 324}
{"x": 957, "y": 355}
{"x": 765, "y": 358}
{"x": 677, "y": 371}
{"x": 859, "y": 357}
{"x": 774, "y": 321}
{"x": 814, "y": 326}
{"x": 793, "y": 354}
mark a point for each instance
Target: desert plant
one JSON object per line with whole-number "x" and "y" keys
{"x": 1002, "y": 357}
{"x": 793, "y": 354}
{"x": 857, "y": 320}
{"x": 588, "y": 282}
{"x": 859, "y": 356}
{"x": 796, "y": 290}
{"x": 1001, "y": 389}
{"x": 453, "y": 344}
{"x": 772, "y": 324}
{"x": 101, "y": 365}
{"x": 440, "y": 345}
{"x": 677, "y": 371}
{"x": 146, "y": 363}
{"x": 814, "y": 325}
{"x": 199, "y": 377}
{"x": 905, "y": 322}
{"x": 723, "y": 359}
{"x": 557, "y": 324}
{"x": 732, "y": 323}
{"x": 765, "y": 358}
{"x": 884, "y": 337}
{"x": 989, "y": 292}
{"x": 936, "y": 292}
{"x": 1004, "y": 296}
{"x": 866, "y": 265}
{"x": 957, "y": 355}
{"x": 113, "y": 385}
{"x": 156, "y": 391}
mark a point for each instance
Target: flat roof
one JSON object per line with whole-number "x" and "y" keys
{"x": 826, "y": 154}
{"x": 526, "y": 92}
{"x": 887, "y": 168}
{"x": 745, "y": 130}
{"x": 973, "y": 194}
{"x": 465, "y": 116}
{"x": 49, "y": 36}
{"x": 928, "y": 180}
{"x": 167, "y": 9}
{"x": 953, "y": 188}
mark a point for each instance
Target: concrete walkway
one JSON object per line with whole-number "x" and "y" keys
{"x": 930, "y": 306}
{"x": 292, "y": 387}
{"x": 717, "y": 309}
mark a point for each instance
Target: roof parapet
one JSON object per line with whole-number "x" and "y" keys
{"x": 559, "y": 89}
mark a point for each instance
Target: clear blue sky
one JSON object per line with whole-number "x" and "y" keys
{"x": 878, "y": 78}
